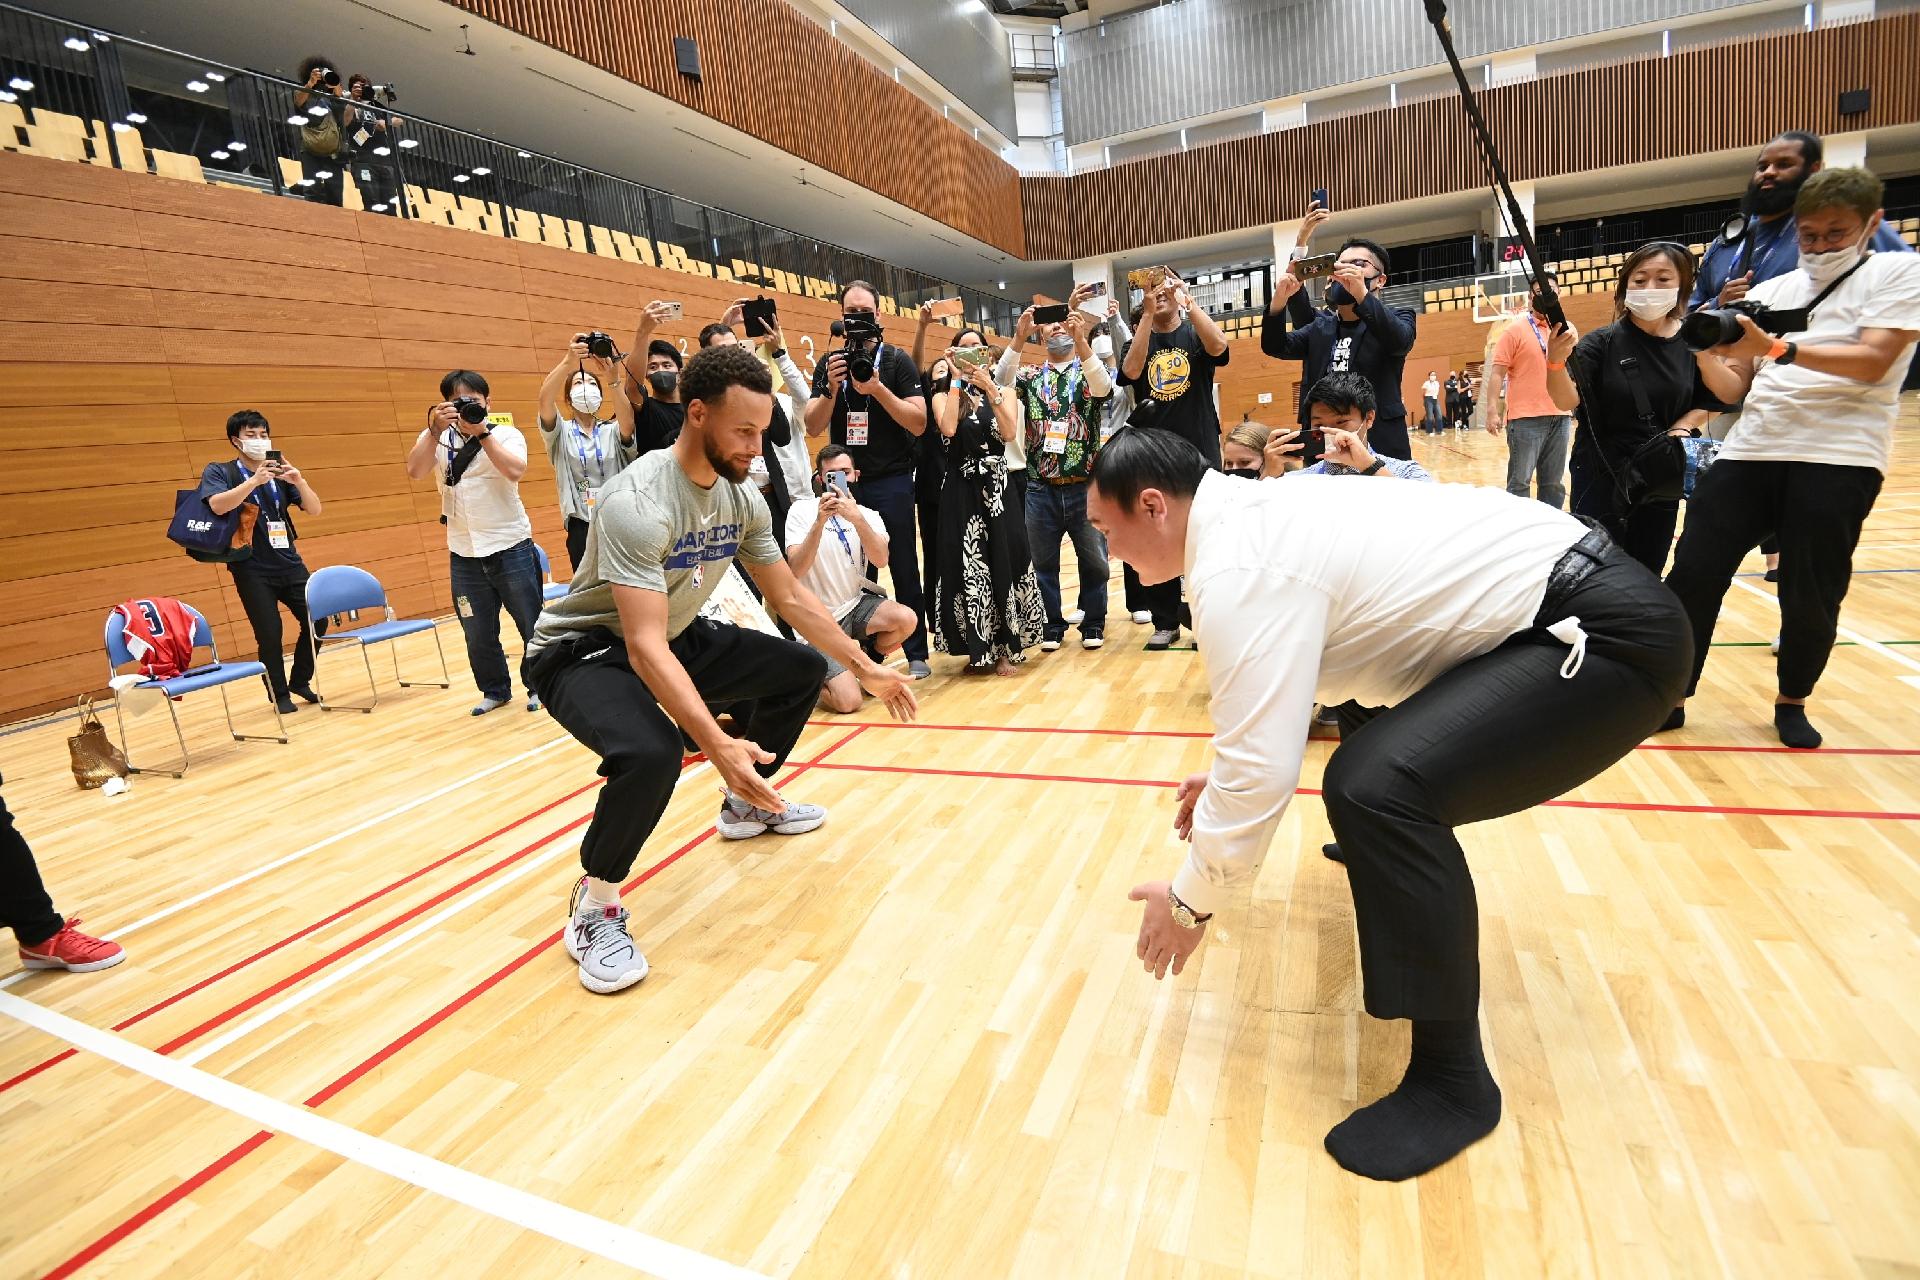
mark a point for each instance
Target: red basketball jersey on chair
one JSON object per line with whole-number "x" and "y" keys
{"x": 159, "y": 635}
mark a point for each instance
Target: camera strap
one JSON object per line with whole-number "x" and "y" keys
{"x": 459, "y": 461}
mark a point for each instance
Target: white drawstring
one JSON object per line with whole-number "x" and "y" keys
{"x": 1567, "y": 631}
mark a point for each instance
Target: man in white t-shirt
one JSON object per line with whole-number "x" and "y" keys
{"x": 477, "y": 468}
{"x": 830, "y": 542}
{"x": 1813, "y": 443}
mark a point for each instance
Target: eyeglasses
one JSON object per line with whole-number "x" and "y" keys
{"x": 1837, "y": 239}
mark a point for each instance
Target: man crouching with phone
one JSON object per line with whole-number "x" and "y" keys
{"x": 831, "y": 540}
{"x": 625, "y": 663}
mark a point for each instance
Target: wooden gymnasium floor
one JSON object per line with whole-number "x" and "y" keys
{"x": 916, "y": 1043}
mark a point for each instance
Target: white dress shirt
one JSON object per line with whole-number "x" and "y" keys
{"x": 1324, "y": 590}
{"x": 484, "y": 513}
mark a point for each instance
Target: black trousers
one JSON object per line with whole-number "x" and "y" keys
{"x": 588, "y": 685}
{"x": 1389, "y": 436}
{"x": 1162, "y": 600}
{"x": 892, "y": 497}
{"x": 1136, "y": 594}
{"x": 25, "y": 907}
{"x": 1816, "y": 511}
{"x": 1495, "y": 735}
{"x": 576, "y": 541}
{"x": 1645, "y": 531}
{"x": 261, "y": 595}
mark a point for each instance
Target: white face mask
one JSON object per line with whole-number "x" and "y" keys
{"x": 585, "y": 396}
{"x": 1652, "y": 304}
{"x": 1821, "y": 268}
{"x": 256, "y": 448}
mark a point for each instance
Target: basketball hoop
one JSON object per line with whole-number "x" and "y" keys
{"x": 1500, "y": 296}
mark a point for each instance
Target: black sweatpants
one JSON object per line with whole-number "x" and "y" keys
{"x": 1816, "y": 510}
{"x": 261, "y": 595}
{"x": 1496, "y": 735}
{"x": 588, "y": 685}
{"x": 25, "y": 907}
{"x": 576, "y": 541}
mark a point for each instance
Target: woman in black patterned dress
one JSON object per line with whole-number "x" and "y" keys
{"x": 984, "y": 600}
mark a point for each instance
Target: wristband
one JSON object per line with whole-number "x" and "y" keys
{"x": 1778, "y": 349}
{"x": 1558, "y": 368}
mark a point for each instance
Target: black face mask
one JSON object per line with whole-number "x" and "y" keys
{"x": 1245, "y": 473}
{"x": 1777, "y": 199}
{"x": 664, "y": 381}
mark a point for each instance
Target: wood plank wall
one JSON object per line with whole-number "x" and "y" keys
{"x": 1698, "y": 101}
{"x": 142, "y": 311}
{"x": 769, "y": 71}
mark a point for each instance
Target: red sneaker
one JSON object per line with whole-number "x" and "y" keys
{"x": 72, "y": 950}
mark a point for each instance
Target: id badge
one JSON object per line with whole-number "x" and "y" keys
{"x": 592, "y": 500}
{"x": 277, "y": 535}
{"x": 1056, "y": 441}
{"x": 361, "y": 137}
{"x": 857, "y": 426}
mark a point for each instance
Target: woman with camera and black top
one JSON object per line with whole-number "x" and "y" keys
{"x": 1642, "y": 390}
{"x": 985, "y": 598}
{"x": 323, "y": 139}
{"x": 586, "y": 450}
{"x": 274, "y": 575}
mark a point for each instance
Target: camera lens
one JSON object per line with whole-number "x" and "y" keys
{"x": 600, "y": 346}
{"x": 471, "y": 410}
{"x": 332, "y": 78}
{"x": 1705, "y": 328}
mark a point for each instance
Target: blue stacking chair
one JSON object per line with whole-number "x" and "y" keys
{"x": 340, "y": 589}
{"x": 216, "y": 674}
{"x": 549, "y": 589}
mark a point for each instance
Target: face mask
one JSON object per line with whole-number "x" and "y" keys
{"x": 256, "y": 448}
{"x": 1245, "y": 473}
{"x": 664, "y": 381}
{"x": 585, "y": 397}
{"x": 1060, "y": 346}
{"x": 1652, "y": 304}
{"x": 1821, "y": 268}
{"x": 1337, "y": 295}
{"x": 1103, "y": 347}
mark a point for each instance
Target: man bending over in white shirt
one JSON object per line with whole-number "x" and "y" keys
{"x": 1516, "y": 653}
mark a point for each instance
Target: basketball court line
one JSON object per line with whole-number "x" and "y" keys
{"x": 380, "y": 1056}
{"x": 408, "y": 806}
{"x": 1898, "y": 658}
{"x": 549, "y": 1218}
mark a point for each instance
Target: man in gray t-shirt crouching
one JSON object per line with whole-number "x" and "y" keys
{"x": 625, "y": 664}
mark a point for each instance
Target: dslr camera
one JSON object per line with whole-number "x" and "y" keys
{"x": 862, "y": 348}
{"x": 330, "y": 78}
{"x": 471, "y": 410}
{"x": 1716, "y": 326}
{"x": 599, "y": 345}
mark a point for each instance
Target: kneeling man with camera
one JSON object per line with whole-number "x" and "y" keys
{"x": 626, "y": 664}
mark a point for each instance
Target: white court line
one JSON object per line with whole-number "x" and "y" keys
{"x": 198, "y": 898}
{"x": 1843, "y": 633}
{"x": 336, "y": 976}
{"x": 553, "y": 1220}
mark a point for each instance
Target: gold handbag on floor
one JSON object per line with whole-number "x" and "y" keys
{"x": 95, "y": 758}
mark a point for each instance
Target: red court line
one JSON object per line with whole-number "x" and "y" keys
{"x": 233, "y": 1157}
{"x": 1314, "y": 791}
{"x": 1197, "y": 734}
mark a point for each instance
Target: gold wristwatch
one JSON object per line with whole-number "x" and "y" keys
{"x": 1183, "y": 914}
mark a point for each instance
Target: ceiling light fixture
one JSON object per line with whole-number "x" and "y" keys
{"x": 197, "y": 86}
{"x": 21, "y": 83}
{"x": 383, "y": 151}
{"x": 134, "y": 117}
{"x": 460, "y": 177}
{"x": 409, "y": 143}
{"x": 76, "y": 44}
{"x": 481, "y": 170}
{"x": 218, "y": 155}
{"x": 236, "y": 146}
{"x": 216, "y": 77}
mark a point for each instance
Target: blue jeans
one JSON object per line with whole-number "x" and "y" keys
{"x": 481, "y": 586}
{"x": 1539, "y": 445}
{"x": 892, "y": 497}
{"x": 1053, "y": 510}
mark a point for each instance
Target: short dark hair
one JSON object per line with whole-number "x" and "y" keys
{"x": 713, "y": 331}
{"x": 463, "y": 378}
{"x": 1379, "y": 255}
{"x": 1812, "y": 150}
{"x": 829, "y": 452}
{"x": 1854, "y": 189}
{"x": 716, "y": 370}
{"x": 1138, "y": 458}
{"x": 851, "y": 285}
{"x": 661, "y": 347}
{"x": 1343, "y": 393}
{"x": 975, "y": 332}
{"x": 242, "y": 420}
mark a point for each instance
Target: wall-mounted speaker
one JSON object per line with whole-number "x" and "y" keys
{"x": 686, "y": 56}
{"x": 1854, "y": 102}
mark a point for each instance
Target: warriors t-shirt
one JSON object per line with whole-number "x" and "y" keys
{"x": 657, "y": 530}
{"x": 1178, "y": 383}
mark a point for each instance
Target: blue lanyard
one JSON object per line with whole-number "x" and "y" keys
{"x": 1537, "y": 335}
{"x": 599, "y": 459}
{"x": 272, "y": 486}
{"x": 1054, "y": 400}
{"x": 840, "y": 531}
{"x": 879, "y": 357}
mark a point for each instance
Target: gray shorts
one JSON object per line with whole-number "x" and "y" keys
{"x": 855, "y": 625}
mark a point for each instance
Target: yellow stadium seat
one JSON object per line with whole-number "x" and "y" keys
{"x": 350, "y": 192}
{"x": 173, "y": 164}
{"x": 127, "y": 145}
{"x": 524, "y": 226}
{"x": 12, "y": 120}
{"x": 602, "y": 238}
{"x": 56, "y": 121}
{"x": 57, "y": 144}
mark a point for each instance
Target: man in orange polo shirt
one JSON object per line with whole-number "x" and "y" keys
{"x": 1538, "y": 433}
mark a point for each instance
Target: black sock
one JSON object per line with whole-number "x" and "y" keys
{"x": 1675, "y": 718}
{"x": 1791, "y": 720}
{"x": 1446, "y": 1102}
{"x": 1332, "y": 851}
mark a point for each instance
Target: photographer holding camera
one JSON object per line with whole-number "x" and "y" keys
{"x": 477, "y": 469}
{"x": 323, "y": 138}
{"x": 274, "y": 574}
{"x": 1354, "y": 333}
{"x": 1820, "y": 373}
{"x": 371, "y": 132}
{"x": 586, "y": 450}
{"x": 867, "y": 392}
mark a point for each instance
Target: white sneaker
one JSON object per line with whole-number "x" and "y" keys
{"x": 1142, "y": 617}
{"x": 599, "y": 943}
{"x": 739, "y": 820}
{"x": 1074, "y": 617}
{"x": 1775, "y": 646}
